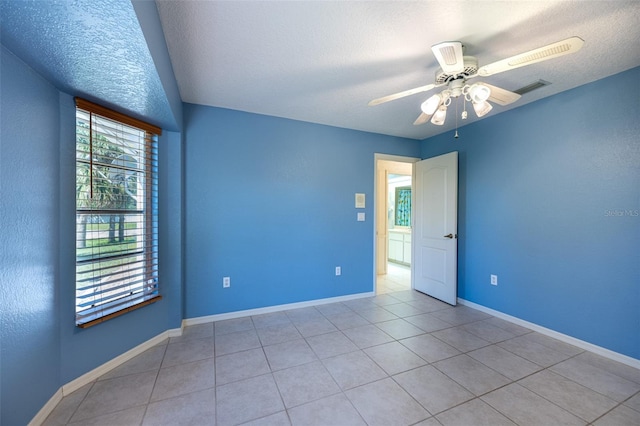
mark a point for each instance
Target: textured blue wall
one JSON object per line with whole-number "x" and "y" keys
{"x": 270, "y": 203}
{"x": 170, "y": 225}
{"x": 30, "y": 351}
{"x": 549, "y": 201}
{"x": 108, "y": 51}
{"x": 41, "y": 347}
{"x": 147, "y": 13}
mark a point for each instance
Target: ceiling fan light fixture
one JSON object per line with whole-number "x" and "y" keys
{"x": 439, "y": 116}
{"x": 431, "y": 105}
{"x": 479, "y": 93}
{"x": 456, "y": 69}
{"x": 482, "y": 108}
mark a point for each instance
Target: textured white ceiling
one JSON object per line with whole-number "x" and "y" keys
{"x": 322, "y": 61}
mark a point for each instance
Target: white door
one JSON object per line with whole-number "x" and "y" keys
{"x": 435, "y": 244}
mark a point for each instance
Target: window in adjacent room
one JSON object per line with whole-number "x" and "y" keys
{"x": 116, "y": 214}
{"x": 403, "y": 206}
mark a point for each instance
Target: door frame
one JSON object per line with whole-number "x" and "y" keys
{"x": 398, "y": 159}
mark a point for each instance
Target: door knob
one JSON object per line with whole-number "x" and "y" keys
{"x": 449, "y": 236}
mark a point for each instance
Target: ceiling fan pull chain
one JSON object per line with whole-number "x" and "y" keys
{"x": 464, "y": 111}
{"x": 456, "y": 134}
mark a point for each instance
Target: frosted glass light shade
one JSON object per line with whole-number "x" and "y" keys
{"x": 482, "y": 108}
{"x": 431, "y": 105}
{"x": 440, "y": 115}
{"x": 479, "y": 93}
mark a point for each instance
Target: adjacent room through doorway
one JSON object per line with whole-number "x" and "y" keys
{"x": 393, "y": 223}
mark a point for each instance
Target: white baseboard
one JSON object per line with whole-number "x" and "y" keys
{"x": 121, "y": 359}
{"x": 99, "y": 371}
{"x": 117, "y": 361}
{"x": 271, "y": 309}
{"x": 46, "y": 409}
{"x": 599, "y": 350}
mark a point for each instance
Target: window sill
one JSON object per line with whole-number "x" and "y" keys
{"x": 139, "y": 303}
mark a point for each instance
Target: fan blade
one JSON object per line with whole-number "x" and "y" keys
{"x": 554, "y": 50}
{"x": 449, "y": 56}
{"x": 501, "y": 96}
{"x": 422, "y": 118}
{"x": 401, "y": 94}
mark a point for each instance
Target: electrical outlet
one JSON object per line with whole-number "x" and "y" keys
{"x": 226, "y": 282}
{"x": 494, "y": 280}
{"x": 338, "y": 270}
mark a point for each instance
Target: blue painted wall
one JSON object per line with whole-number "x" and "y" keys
{"x": 171, "y": 225}
{"x": 147, "y": 14}
{"x": 29, "y": 310}
{"x": 41, "y": 347}
{"x": 548, "y": 195}
{"x": 108, "y": 51}
{"x": 270, "y": 202}
{"x": 549, "y": 201}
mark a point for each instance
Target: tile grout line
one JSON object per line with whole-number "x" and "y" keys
{"x": 93, "y": 383}
{"x": 342, "y": 392}
{"x": 155, "y": 381}
{"x": 488, "y": 344}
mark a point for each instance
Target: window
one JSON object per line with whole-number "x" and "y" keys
{"x": 116, "y": 214}
{"x": 403, "y": 206}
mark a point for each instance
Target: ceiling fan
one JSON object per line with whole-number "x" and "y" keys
{"x": 456, "y": 69}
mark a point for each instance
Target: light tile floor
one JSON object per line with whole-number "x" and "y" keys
{"x": 397, "y": 278}
{"x": 400, "y": 358}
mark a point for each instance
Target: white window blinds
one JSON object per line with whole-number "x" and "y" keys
{"x": 116, "y": 214}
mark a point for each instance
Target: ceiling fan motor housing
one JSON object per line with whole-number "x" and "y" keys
{"x": 470, "y": 68}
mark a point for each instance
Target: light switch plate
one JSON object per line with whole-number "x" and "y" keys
{"x": 360, "y": 201}
{"x": 361, "y": 217}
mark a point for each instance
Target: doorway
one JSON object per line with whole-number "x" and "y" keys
{"x": 393, "y": 223}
